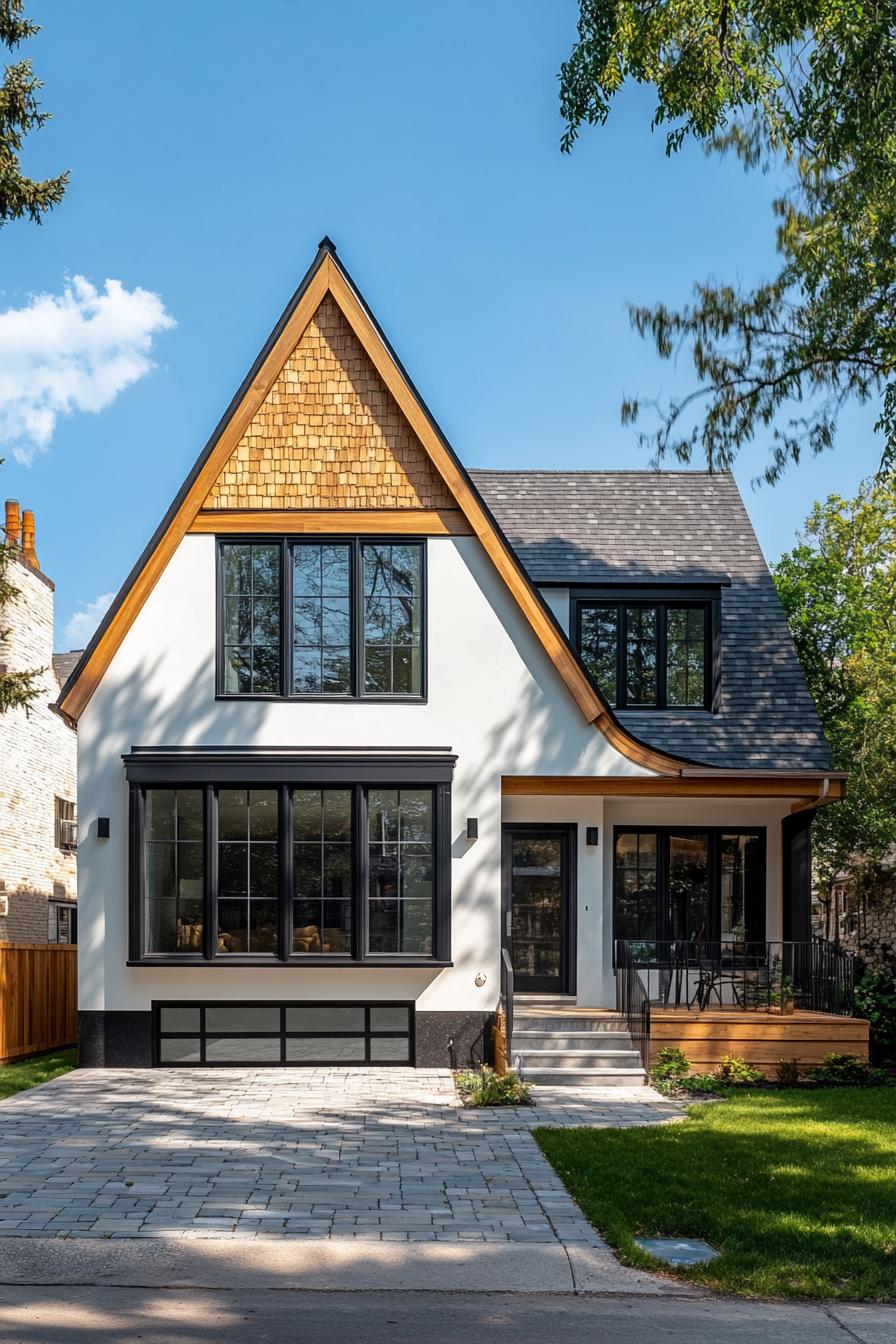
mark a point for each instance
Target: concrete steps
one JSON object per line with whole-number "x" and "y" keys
{"x": 561, "y": 1044}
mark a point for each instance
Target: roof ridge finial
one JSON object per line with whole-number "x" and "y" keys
{"x": 326, "y": 244}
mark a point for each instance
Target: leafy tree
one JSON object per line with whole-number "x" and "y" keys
{"x": 810, "y": 85}
{"x": 838, "y": 588}
{"x": 20, "y": 113}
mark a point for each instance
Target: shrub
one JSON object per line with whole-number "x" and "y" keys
{"x": 787, "y": 1073}
{"x": 484, "y": 1087}
{"x": 875, "y": 998}
{"x": 846, "y": 1071}
{"x": 736, "y": 1071}
{"x": 670, "y": 1064}
{"x": 703, "y": 1085}
{"x": 670, "y": 1074}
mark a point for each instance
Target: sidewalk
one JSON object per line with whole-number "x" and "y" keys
{"x": 328, "y": 1264}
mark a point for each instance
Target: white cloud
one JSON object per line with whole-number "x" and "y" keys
{"x": 85, "y": 620}
{"x": 71, "y": 352}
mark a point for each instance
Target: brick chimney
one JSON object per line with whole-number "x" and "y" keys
{"x": 13, "y": 526}
{"x": 29, "y": 554}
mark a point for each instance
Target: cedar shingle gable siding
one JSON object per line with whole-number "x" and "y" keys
{"x": 329, "y": 435}
{"x": 605, "y": 527}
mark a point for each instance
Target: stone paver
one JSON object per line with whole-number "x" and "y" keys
{"x": 382, "y": 1155}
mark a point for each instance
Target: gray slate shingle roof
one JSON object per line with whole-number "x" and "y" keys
{"x": 601, "y": 527}
{"x": 64, "y": 664}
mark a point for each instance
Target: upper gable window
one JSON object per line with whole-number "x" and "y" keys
{"x": 646, "y": 652}
{"x": 393, "y": 619}
{"x": 341, "y": 618}
{"x": 250, "y": 581}
{"x": 322, "y": 625}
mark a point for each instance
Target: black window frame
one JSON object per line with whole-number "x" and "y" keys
{"x": 356, "y": 544}
{"x": 757, "y": 911}
{"x": 702, "y": 597}
{"x": 211, "y": 771}
{"x": 71, "y": 910}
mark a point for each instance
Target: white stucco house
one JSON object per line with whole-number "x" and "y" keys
{"x": 361, "y": 721}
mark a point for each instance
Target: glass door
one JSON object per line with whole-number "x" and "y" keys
{"x": 537, "y": 876}
{"x": 688, "y": 914}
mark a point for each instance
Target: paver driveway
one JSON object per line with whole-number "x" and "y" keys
{"x": 382, "y": 1154}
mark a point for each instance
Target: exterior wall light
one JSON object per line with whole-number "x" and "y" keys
{"x": 592, "y": 835}
{"x": 472, "y": 828}
{"x": 102, "y": 828}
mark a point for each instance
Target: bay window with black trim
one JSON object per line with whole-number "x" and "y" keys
{"x": 299, "y": 872}
{"x": 335, "y": 619}
{"x": 688, "y": 884}
{"x": 650, "y": 648}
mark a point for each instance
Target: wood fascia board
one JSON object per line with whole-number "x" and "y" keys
{"x": 832, "y": 789}
{"x": 722, "y": 785}
{"x": 97, "y": 659}
{"x": 387, "y": 522}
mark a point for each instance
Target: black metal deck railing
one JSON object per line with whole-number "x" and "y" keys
{"x": 506, "y": 1000}
{"x": 632, "y": 1001}
{"x": 817, "y": 976}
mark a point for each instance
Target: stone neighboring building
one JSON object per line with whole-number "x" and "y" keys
{"x": 860, "y": 912}
{"x": 38, "y": 760}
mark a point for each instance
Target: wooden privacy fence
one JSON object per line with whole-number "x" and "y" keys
{"x": 38, "y": 998}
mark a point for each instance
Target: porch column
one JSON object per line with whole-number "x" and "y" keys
{"x": 796, "y": 877}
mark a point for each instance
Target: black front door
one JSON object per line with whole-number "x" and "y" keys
{"x": 538, "y": 894}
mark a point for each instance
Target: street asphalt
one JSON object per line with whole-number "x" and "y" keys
{"x": 115, "y": 1315}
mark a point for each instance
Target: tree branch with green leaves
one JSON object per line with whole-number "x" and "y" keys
{"x": 810, "y": 86}
{"x": 838, "y": 588}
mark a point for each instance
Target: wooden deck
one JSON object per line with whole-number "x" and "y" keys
{"x": 762, "y": 1039}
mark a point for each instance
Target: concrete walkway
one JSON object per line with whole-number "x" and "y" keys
{"x": 379, "y": 1155}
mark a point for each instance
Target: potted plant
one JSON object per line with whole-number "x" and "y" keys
{"x": 781, "y": 996}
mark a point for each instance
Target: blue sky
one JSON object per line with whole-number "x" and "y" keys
{"x": 211, "y": 143}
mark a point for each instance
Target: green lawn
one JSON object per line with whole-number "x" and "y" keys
{"x": 797, "y": 1190}
{"x": 19, "y": 1077}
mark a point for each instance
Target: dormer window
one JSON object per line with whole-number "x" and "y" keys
{"x": 342, "y": 618}
{"x": 649, "y": 649}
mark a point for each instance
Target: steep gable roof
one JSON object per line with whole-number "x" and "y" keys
{"x": 257, "y": 422}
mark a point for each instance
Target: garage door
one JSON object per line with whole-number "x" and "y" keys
{"x": 297, "y": 1035}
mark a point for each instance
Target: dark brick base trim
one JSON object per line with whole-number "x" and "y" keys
{"x": 115, "y": 1040}
{"x": 454, "y": 1040}
{"x": 123, "y": 1040}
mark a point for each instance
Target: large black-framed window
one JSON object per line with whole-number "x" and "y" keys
{"x": 323, "y": 618}
{"x": 290, "y": 863}
{"x": 689, "y": 883}
{"x": 650, "y": 648}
